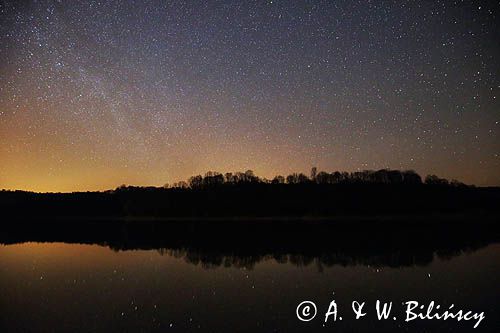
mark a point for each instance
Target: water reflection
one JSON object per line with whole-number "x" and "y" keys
{"x": 210, "y": 260}
{"x": 243, "y": 244}
{"x": 151, "y": 277}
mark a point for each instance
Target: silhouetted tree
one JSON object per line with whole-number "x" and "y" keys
{"x": 180, "y": 184}
{"x": 324, "y": 178}
{"x": 303, "y": 179}
{"x": 250, "y": 177}
{"x": 435, "y": 180}
{"x": 278, "y": 180}
{"x": 297, "y": 178}
{"x": 195, "y": 181}
{"x": 411, "y": 177}
{"x": 395, "y": 176}
{"x": 314, "y": 172}
{"x": 456, "y": 183}
{"x": 212, "y": 179}
{"x": 228, "y": 178}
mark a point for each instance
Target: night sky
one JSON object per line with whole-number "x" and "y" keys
{"x": 96, "y": 94}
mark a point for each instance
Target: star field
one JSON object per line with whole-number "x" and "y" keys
{"x": 94, "y": 94}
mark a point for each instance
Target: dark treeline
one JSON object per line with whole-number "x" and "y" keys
{"x": 243, "y": 194}
{"x": 383, "y": 176}
{"x": 215, "y": 243}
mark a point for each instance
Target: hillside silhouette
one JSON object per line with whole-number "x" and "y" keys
{"x": 245, "y": 195}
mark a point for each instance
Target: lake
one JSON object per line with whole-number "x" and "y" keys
{"x": 75, "y": 285}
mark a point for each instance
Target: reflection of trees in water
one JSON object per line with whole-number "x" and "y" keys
{"x": 210, "y": 259}
{"x": 301, "y": 243}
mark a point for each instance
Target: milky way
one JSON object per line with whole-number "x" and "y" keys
{"x": 96, "y": 94}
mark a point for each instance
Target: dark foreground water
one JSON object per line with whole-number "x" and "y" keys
{"x": 71, "y": 287}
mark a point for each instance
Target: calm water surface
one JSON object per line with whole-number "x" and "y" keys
{"x": 51, "y": 287}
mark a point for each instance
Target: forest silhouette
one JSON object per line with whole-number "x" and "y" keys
{"x": 380, "y": 218}
{"x": 245, "y": 195}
